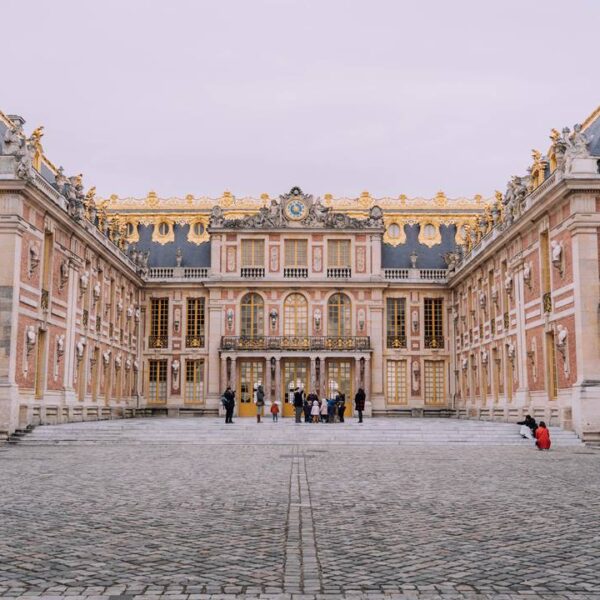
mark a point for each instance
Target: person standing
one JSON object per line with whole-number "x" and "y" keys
{"x": 359, "y": 403}
{"x": 315, "y": 411}
{"x": 229, "y": 404}
{"x": 298, "y": 404}
{"x": 324, "y": 410}
{"x": 542, "y": 436}
{"x": 275, "y": 411}
{"x": 341, "y": 406}
{"x": 331, "y": 404}
{"x": 260, "y": 402}
{"x": 307, "y": 407}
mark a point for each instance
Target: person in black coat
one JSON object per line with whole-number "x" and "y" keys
{"x": 307, "y": 406}
{"x": 298, "y": 404}
{"x": 341, "y": 406}
{"x": 229, "y": 404}
{"x": 528, "y": 427}
{"x": 359, "y": 403}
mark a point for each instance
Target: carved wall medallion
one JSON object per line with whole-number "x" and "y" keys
{"x": 394, "y": 234}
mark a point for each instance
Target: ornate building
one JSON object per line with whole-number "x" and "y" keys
{"x": 482, "y": 308}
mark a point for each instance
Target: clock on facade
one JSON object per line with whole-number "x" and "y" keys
{"x": 295, "y": 209}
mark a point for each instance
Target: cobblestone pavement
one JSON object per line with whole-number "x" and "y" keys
{"x": 231, "y": 516}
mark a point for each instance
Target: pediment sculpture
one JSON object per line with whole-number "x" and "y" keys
{"x": 297, "y": 209}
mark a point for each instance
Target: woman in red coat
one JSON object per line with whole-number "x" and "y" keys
{"x": 542, "y": 436}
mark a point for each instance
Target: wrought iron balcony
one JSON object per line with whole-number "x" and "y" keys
{"x": 434, "y": 342}
{"x": 158, "y": 341}
{"x": 296, "y": 343}
{"x": 396, "y": 341}
{"x": 194, "y": 341}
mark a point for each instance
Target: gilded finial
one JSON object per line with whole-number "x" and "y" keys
{"x": 554, "y": 135}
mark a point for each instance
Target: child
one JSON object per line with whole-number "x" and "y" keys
{"x": 275, "y": 410}
{"x": 542, "y": 436}
{"x": 315, "y": 411}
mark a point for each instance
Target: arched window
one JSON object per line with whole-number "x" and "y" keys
{"x": 252, "y": 316}
{"x": 295, "y": 315}
{"x": 339, "y": 315}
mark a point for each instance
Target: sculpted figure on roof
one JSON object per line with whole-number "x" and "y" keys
{"x": 14, "y": 139}
{"x": 577, "y": 143}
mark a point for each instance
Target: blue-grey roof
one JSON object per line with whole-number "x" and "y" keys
{"x": 163, "y": 255}
{"x": 593, "y": 135}
{"x": 427, "y": 258}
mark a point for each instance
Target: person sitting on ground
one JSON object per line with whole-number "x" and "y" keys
{"x": 542, "y": 436}
{"x": 314, "y": 411}
{"x": 528, "y": 427}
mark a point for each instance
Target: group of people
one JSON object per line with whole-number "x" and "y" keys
{"x": 326, "y": 410}
{"x": 532, "y": 431}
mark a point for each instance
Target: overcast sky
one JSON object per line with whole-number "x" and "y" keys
{"x": 336, "y": 96}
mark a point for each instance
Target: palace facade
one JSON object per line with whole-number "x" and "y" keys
{"x": 482, "y": 308}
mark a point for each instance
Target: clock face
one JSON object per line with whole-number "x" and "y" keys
{"x": 295, "y": 210}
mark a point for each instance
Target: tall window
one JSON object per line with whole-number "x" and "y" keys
{"x": 296, "y": 252}
{"x": 159, "y": 322}
{"x": 396, "y": 322}
{"x": 295, "y": 315}
{"x": 157, "y": 381}
{"x": 434, "y": 334}
{"x": 338, "y": 253}
{"x": 396, "y": 382}
{"x": 434, "y": 382}
{"x": 339, "y": 316}
{"x": 252, "y": 316}
{"x": 253, "y": 253}
{"x": 195, "y": 323}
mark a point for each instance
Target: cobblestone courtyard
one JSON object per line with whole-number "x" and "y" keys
{"x": 196, "y": 509}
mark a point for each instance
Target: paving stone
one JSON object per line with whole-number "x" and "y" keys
{"x": 191, "y": 510}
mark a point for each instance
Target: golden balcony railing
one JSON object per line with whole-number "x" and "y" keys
{"x": 396, "y": 341}
{"x": 295, "y": 343}
{"x": 158, "y": 341}
{"x": 194, "y": 341}
{"x": 434, "y": 342}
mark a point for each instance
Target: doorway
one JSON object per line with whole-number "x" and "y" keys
{"x": 295, "y": 373}
{"x": 252, "y": 373}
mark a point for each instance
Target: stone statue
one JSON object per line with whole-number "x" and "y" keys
{"x": 79, "y": 348}
{"x": 511, "y": 351}
{"x": 451, "y": 259}
{"x": 14, "y": 140}
{"x": 118, "y": 362}
{"x": 64, "y": 272}
{"x": 561, "y": 340}
{"x": 106, "y": 358}
{"x": 24, "y": 157}
{"x": 556, "y": 252}
{"x": 30, "y": 338}
{"x": 275, "y": 216}
{"x": 178, "y": 257}
{"x": 527, "y": 274}
{"x": 577, "y": 143}
{"x": 60, "y": 345}
{"x": 216, "y": 217}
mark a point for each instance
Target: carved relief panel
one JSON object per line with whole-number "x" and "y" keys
{"x": 317, "y": 259}
{"x": 361, "y": 259}
{"x": 231, "y": 259}
{"x": 274, "y": 259}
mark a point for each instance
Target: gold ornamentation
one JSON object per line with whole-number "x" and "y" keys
{"x": 429, "y": 233}
{"x": 365, "y": 200}
{"x": 36, "y": 141}
{"x": 198, "y": 233}
{"x": 440, "y": 199}
{"x": 226, "y": 199}
{"x": 152, "y": 200}
{"x": 163, "y": 231}
{"x": 394, "y": 234}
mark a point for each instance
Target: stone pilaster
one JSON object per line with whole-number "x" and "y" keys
{"x": 586, "y": 391}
